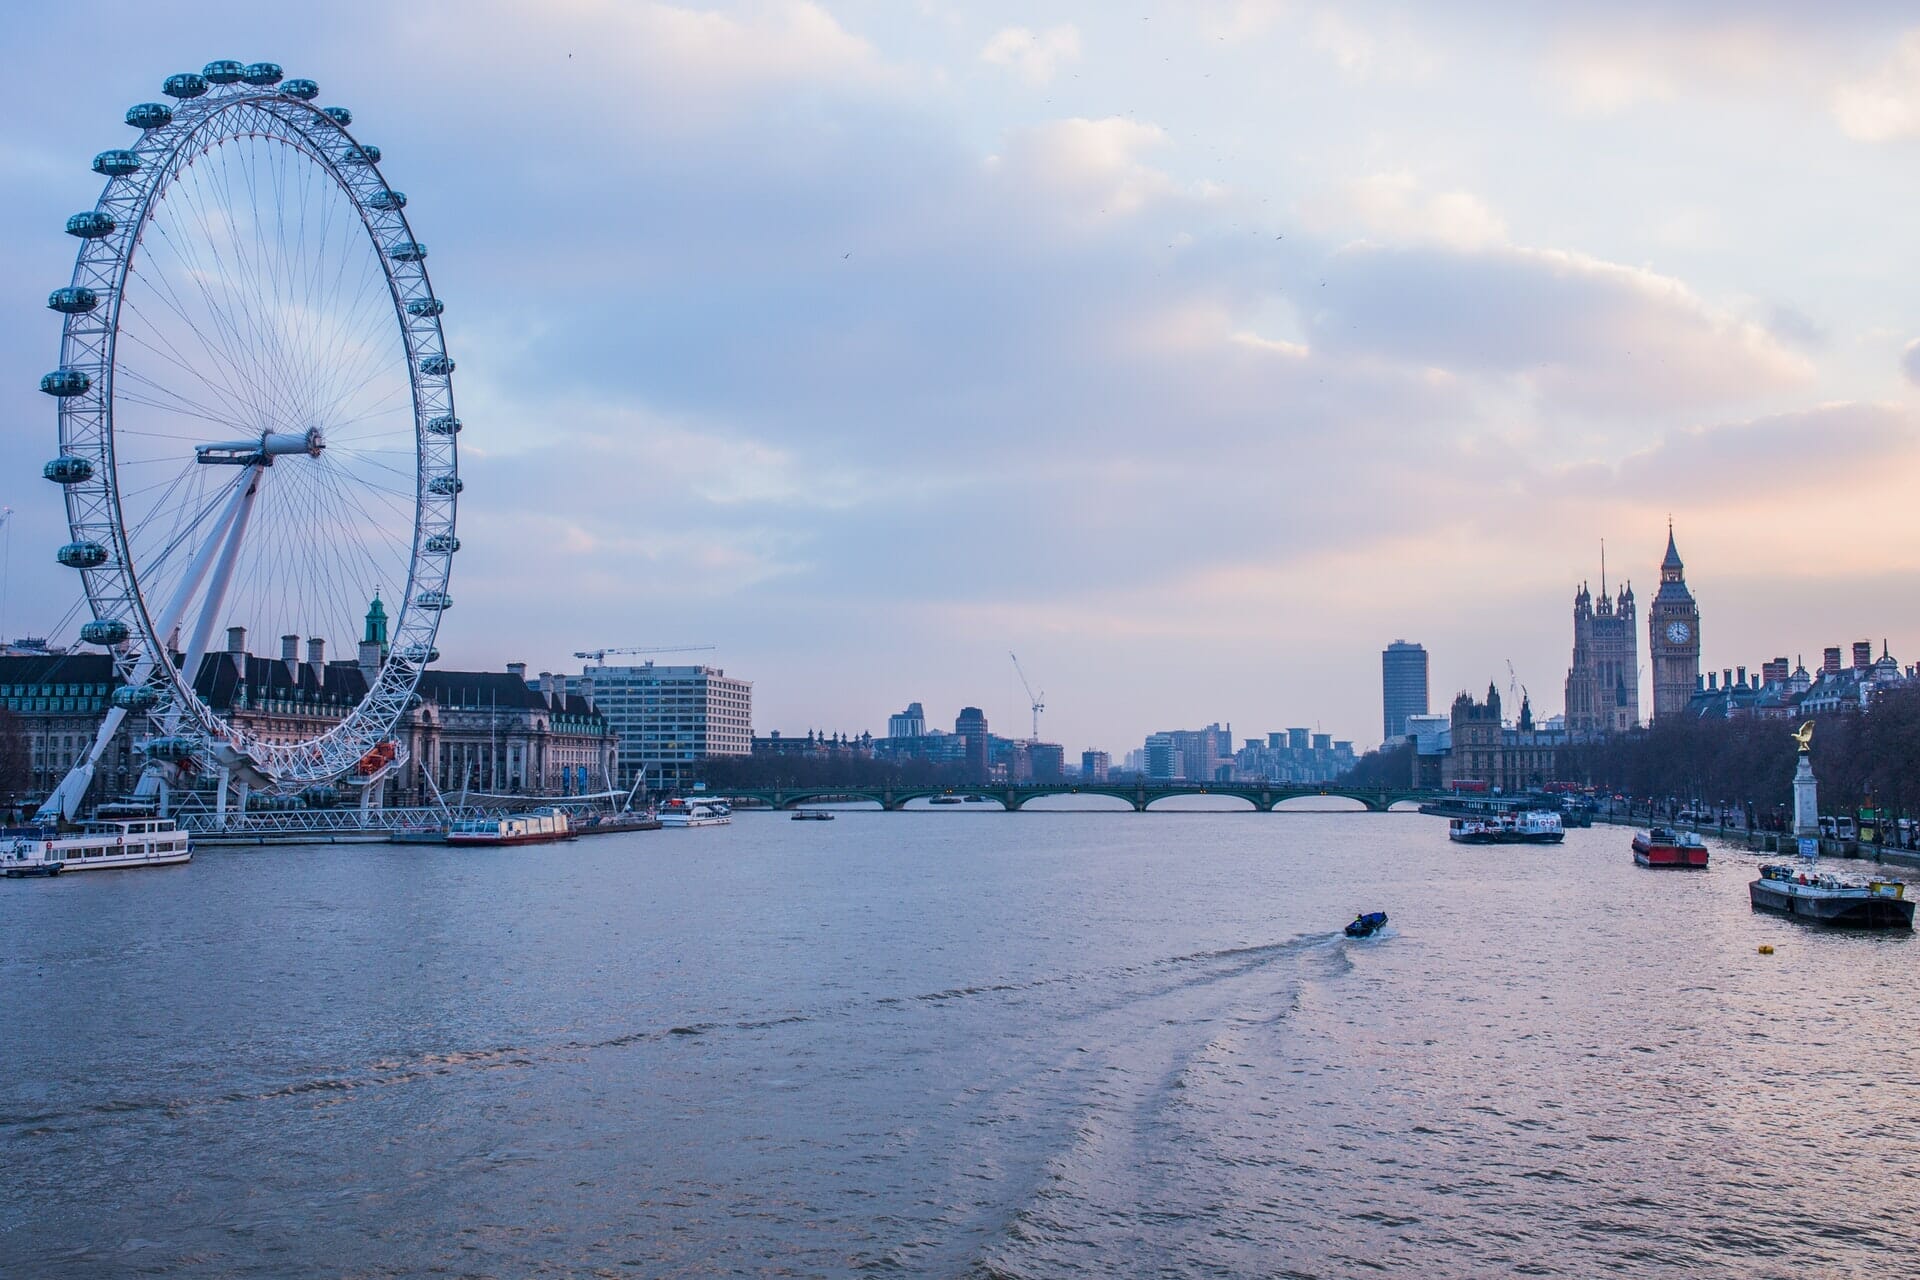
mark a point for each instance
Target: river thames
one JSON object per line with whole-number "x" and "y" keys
{"x": 952, "y": 1044}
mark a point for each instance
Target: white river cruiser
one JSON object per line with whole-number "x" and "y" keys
{"x": 114, "y": 842}
{"x": 1530, "y": 826}
{"x": 695, "y": 813}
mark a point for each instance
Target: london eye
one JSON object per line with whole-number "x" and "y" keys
{"x": 256, "y": 424}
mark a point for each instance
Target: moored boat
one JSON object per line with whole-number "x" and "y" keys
{"x": 542, "y": 826}
{"x": 1669, "y": 847}
{"x": 681, "y": 812}
{"x": 1530, "y": 826}
{"x": 99, "y": 845}
{"x": 812, "y": 815}
{"x": 1825, "y": 897}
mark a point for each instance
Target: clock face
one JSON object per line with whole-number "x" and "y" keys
{"x": 1678, "y": 632}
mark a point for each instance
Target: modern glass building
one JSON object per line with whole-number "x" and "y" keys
{"x": 669, "y": 719}
{"x": 1403, "y": 687}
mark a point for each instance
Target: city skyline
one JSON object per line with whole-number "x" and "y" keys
{"x": 954, "y": 267}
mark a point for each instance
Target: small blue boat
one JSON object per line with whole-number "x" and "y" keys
{"x": 1367, "y": 924}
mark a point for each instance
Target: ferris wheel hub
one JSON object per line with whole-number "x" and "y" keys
{"x": 270, "y": 445}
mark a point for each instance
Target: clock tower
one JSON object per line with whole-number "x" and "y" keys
{"x": 1673, "y": 627}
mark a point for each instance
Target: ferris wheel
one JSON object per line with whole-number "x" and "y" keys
{"x": 257, "y": 425}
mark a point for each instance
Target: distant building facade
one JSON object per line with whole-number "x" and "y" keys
{"x": 1603, "y": 683}
{"x": 971, "y": 727}
{"x": 911, "y": 723}
{"x": 668, "y": 719}
{"x": 1319, "y": 758}
{"x": 1095, "y": 766}
{"x": 1403, "y": 687}
{"x": 1482, "y": 752}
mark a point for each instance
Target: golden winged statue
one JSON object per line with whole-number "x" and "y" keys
{"x": 1804, "y": 736}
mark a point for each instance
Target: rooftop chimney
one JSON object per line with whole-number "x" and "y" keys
{"x": 316, "y": 651}
{"x": 517, "y": 669}
{"x": 289, "y": 648}
{"x": 1743, "y": 677}
{"x": 236, "y": 639}
{"x": 1713, "y": 683}
{"x": 1862, "y": 654}
{"x": 1830, "y": 660}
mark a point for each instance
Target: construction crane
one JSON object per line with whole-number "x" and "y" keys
{"x": 600, "y": 655}
{"x": 1516, "y": 692}
{"x": 1034, "y": 698}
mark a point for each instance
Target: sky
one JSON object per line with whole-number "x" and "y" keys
{"x": 1192, "y": 352}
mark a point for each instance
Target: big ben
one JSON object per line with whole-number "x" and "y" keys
{"x": 1673, "y": 626}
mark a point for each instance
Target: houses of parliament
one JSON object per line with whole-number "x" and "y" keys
{"x": 1603, "y": 684}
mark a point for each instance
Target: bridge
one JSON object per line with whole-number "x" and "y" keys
{"x": 1262, "y": 796}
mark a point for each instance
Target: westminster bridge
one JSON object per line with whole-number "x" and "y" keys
{"x": 1142, "y": 796}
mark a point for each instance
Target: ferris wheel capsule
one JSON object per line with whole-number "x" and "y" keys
{"x": 104, "y": 631}
{"x": 187, "y": 84}
{"x": 65, "y": 383}
{"x": 116, "y": 164}
{"x": 224, "y": 71}
{"x": 150, "y": 115}
{"x": 73, "y": 300}
{"x": 135, "y": 697}
{"x": 67, "y": 469}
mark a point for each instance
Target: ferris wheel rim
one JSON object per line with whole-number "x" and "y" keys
{"x": 221, "y": 113}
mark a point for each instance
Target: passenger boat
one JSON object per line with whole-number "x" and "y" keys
{"x": 1531, "y": 826}
{"x": 102, "y": 844}
{"x": 944, "y": 800}
{"x": 680, "y": 812}
{"x": 542, "y": 826}
{"x": 812, "y": 815}
{"x": 1826, "y": 897}
{"x": 1669, "y": 847}
{"x": 1366, "y": 924}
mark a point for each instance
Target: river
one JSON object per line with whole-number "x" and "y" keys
{"x": 952, "y": 1044}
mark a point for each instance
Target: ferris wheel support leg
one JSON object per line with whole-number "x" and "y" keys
{"x": 223, "y": 542}
{"x": 222, "y": 576}
{"x": 64, "y": 803}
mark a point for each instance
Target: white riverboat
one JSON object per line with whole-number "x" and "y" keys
{"x": 695, "y": 813}
{"x": 542, "y": 826}
{"x": 116, "y": 842}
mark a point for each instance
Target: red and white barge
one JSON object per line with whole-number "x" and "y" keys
{"x": 1669, "y": 847}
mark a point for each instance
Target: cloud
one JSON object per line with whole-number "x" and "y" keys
{"x": 1393, "y": 206}
{"x": 1034, "y": 56}
{"x": 1885, "y": 106}
{"x": 1434, "y": 280}
{"x": 1086, "y": 168}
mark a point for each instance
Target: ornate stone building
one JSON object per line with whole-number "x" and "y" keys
{"x": 482, "y": 732}
{"x": 1603, "y": 685}
{"x": 1673, "y": 637}
{"x": 1483, "y": 751}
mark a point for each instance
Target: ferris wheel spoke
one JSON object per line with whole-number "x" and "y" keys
{"x": 230, "y": 344}
{"x": 222, "y": 394}
{"x": 212, "y": 336}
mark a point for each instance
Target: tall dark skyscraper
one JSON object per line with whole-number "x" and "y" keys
{"x": 971, "y": 725}
{"x": 1403, "y": 686}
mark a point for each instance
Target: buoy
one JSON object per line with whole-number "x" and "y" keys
{"x": 1765, "y": 950}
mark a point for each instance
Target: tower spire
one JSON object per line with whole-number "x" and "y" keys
{"x": 1603, "y": 567}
